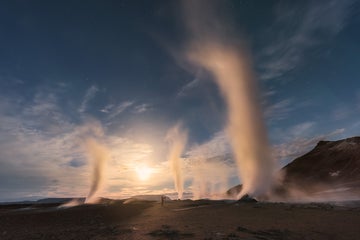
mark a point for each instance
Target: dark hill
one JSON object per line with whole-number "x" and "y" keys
{"x": 329, "y": 163}
{"x": 332, "y": 166}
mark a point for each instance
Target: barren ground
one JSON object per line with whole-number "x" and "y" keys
{"x": 181, "y": 220}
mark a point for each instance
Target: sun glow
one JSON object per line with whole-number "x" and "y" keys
{"x": 143, "y": 172}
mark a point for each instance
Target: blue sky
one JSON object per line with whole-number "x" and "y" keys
{"x": 114, "y": 65}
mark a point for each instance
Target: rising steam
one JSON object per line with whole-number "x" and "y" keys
{"x": 177, "y": 138}
{"x": 210, "y": 179}
{"x": 214, "y": 48}
{"x": 97, "y": 153}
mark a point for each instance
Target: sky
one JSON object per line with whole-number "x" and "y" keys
{"x": 69, "y": 69}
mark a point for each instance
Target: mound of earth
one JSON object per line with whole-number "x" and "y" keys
{"x": 331, "y": 167}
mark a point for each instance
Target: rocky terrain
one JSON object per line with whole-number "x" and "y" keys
{"x": 202, "y": 219}
{"x": 330, "y": 171}
{"x": 332, "y": 163}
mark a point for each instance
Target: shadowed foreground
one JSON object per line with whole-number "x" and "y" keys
{"x": 181, "y": 220}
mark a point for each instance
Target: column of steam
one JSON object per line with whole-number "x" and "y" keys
{"x": 98, "y": 154}
{"x": 213, "y": 48}
{"x": 177, "y": 139}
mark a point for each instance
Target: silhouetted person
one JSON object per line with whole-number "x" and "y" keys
{"x": 162, "y": 200}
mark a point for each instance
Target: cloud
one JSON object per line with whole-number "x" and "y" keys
{"x": 218, "y": 145}
{"x": 187, "y": 87}
{"x": 37, "y": 160}
{"x": 340, "y": 112}
{"x": 31, "y": 160}
{"x": 107, "y": 108}
{"x": 115, "y": 111}
{"x": 77, "y": 163}
{"x": 302, "y": 27}
{"x": 18, "y": 81}
{"x": 301, "y": 129}
{"x": 270, "y": 92}
{"x": 42, "y": 103}
{"x": 90, "y": 94}
{"x": 142, "y": 108}
{"x": 300, "y": 145}
{"x": 297, "y": 140}
{"x": 279, "y": 110}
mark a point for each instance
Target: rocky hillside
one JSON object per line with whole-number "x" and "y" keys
{"x": 329, "y": 163}
{"x": 332, "y": 166}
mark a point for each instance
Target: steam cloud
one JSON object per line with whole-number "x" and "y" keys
{"x": 98, "y": 154}
{"x": 214, "y": 48}
{"x": 210, "y": 179}
{"x": 177, "y": 138}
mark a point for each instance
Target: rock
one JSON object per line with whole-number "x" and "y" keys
{"x": 247, "y": 199}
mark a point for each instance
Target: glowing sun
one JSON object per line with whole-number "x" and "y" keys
{"x": 143, "y": 172}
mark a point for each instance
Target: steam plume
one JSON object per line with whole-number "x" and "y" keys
{"x": 209, "y": 179}
{"x": 177, "y": 139}
{"x": 213, "y": 47}
{"x": 97, "y": 153}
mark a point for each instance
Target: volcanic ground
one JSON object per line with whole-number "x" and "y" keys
{"x": 202, "y": 219}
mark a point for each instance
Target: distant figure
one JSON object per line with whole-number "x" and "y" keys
{"x": 162, "y": 200}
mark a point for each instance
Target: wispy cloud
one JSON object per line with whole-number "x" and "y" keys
{"x": 279, "y": 110}
{"x": 340, "y": 112}
{"x": 107, "y": 108}
{"x": 300, "y": 145}
{"x": 187, "y": 87}
{"x": 35, "y": 159}
{"x": 270, "y": 92}
{"x": 31, "y": 159}
{"x": 301, "y": 129}
{"x": 142, "y": 108}
{"x": 296, "y": 141}
{"x": 90, "y": 93}
{"x": 302, "y": 27}
{"x": 18, "y": 81}
{"x": 43, "y": 112}
{"x": 116, "y": 110}
{"x": 218, "y": 145}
